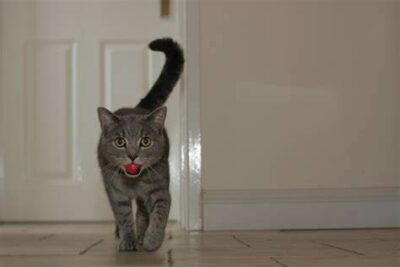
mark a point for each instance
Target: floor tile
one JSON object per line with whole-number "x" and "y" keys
{"x": 94, "y": 245}
{"x": 369, "y": 248}
{"x": 52, "y": 245}
{"x": 350, "y": 261}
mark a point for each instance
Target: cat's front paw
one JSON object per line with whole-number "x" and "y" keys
{"x": 152, "y": 242}
{"x": 127, "y": 243}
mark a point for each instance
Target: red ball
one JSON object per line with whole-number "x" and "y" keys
{"x": 132, "y": 168}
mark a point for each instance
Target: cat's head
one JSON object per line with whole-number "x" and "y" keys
{"x": 132, "y": 142}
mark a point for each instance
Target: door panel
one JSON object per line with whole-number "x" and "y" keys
{"x": 50, "y": 151}
{"x": 60, "y": 61}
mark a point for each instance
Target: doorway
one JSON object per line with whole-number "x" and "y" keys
{"x": 60, "y": 60}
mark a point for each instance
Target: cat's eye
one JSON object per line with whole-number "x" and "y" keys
{"x": 119, "y": 142}
{"x": 145, "y": 142}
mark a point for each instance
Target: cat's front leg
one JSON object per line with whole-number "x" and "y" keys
{"x": 154, "y": 235}
{"x": 124, "y": 221}
{"x": 122, "y": 209}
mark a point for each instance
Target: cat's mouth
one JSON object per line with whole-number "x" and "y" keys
{"x": 133, "y": 170}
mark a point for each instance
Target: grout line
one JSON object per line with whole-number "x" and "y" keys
{"x": 241, "y": 241}
{"x": 344, "y": 249}
{"x": 337, "y": 229}
{"x": 90, "y": 247}
{"x": 46, "y": 237}
{"x": 278, "y": 262}
{"x": 170, "y": 260}
{"x": 38, "y": 255}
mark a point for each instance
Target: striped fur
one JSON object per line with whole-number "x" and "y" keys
{"x": 150, "y": 189}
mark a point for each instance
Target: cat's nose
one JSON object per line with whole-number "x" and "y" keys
{"x": 132, "y": 157}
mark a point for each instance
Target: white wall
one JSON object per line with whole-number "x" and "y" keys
{"x": 299, "y": 95}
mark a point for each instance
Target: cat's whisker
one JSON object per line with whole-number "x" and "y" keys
{"x": 110, "y": 165}
{"x": 154, "y": 170}
{"x": 114, "y": 174}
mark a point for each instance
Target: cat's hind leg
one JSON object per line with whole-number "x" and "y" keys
{"x": 142, "y": 220}
{"x": 116, "y": 232}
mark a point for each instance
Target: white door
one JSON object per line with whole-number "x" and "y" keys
{"x": 60, "y": 60}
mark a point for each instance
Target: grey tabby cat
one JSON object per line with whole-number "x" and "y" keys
{"x": 133, "y": 157}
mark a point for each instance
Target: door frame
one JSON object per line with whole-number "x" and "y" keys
{"x": 190, "y": 172}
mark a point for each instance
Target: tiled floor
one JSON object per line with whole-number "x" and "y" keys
{"x": 89, "y": 245}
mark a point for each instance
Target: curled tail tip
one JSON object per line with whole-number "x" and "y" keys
{"x": 162, "y": 44}
{"x": 169, "y": 75}
{"x": 165, "y": 45}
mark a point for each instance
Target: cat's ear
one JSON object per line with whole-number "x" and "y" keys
{"x": 106, "y": 118}
{"x": 157, "y": 117}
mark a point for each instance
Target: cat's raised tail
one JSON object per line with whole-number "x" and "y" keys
{"x": 169, "y": 75}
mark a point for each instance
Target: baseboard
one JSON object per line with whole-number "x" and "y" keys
{"x": 301, "y": 209}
